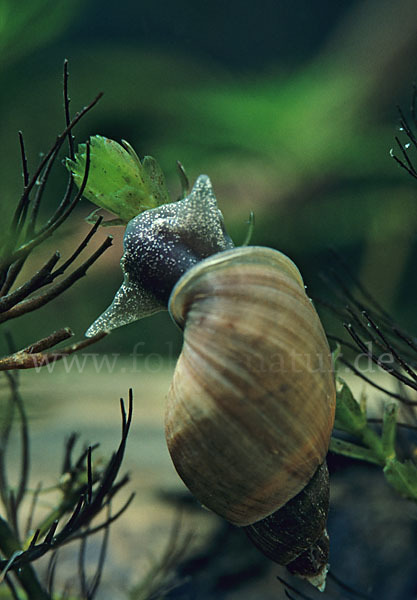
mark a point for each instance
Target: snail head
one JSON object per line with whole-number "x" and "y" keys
{"x": 160, "y": 245}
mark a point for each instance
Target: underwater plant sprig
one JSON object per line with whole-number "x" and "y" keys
{"x": 25, "y": 234}
{"x": 375, "y": 335}
{"x": 23, "y": 237}
{"x": 407, "y": 162}
{"x": 351, "y": 418}
{"x": 87, "y": 492}
{"x": 118, "y": 180}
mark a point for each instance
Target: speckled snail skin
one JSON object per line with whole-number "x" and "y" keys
{"x": 251, "y": 406}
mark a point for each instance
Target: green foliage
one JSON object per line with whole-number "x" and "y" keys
{"x": 351, "y": 418}
{"x": 117, "y": 180}
{"x": 349, "y": 415}
{"x": 402, "y": 476}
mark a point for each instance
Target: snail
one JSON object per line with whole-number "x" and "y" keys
{"x": 251, "y": 405}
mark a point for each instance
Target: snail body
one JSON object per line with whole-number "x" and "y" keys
{"x": 160, "y": 245}
{"x": 251, "y": 406}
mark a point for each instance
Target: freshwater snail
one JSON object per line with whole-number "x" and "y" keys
{"x": 251, "y": 406}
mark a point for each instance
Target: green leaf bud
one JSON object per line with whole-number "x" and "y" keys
{"x": 118, "y": 181}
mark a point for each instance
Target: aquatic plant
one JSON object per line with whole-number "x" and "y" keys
{"x": 375, "y": 335}
{"x": 25, "y": 234}
{"x": 118, "y": 180}
{"x": 85, "y": 488}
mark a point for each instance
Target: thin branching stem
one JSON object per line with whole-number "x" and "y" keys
{"x": 33, "y": 505}
{"x": 45, "y": 275}
{"x": 31, "y": 360}
{"x": 32, "y": 304}
{"x": 406, "y": 127}
{"x": 407, "y": 164}
{"x": 407, "y": 368}
{"x": 67, "y": 101}
{"x": 41, "y": 184}
{"x": 9, "y": 255}
{"x": 22, "y": 206}
{"x": 8, "y": 417}
{"x": 95, "y": 583}
{"x": 79, "y": 524}
{"x": 411, "y": 172}
{"x": 25, "y": 454}
{"x": 69, "y": 448}
{"x": 376, "y": 359}
{"x": 50, "y": 575}
{"x": 51, "y": 225}
{"x": 82, "y": 575}
{"x": 34, "y": 283}
{"x": 405, "y": 338}
{"x": 49, "y": 341}
{"x": 12, "y": 588}
{"x": 359, "y": 285}
{"x": 11, "y": 499}
{"x": 78, "y": 250}
{"x": 24, "y": 161}
{"x": 11, "y": 275}
{"x": 360, "y": 374}
{"x": 106, "y": 523}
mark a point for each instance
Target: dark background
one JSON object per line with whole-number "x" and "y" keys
{"x": 290, "y": 107}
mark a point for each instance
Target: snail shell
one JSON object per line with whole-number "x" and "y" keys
{"x": 251, "y": 405}
{"x": 295, "y": 535}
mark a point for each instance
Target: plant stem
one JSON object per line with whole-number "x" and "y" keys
{"x": 25, "y": 574}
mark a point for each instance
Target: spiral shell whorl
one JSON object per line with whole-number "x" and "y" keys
{"x": 253, "y": 348}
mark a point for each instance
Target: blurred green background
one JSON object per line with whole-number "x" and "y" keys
{"x": 289, "y": 106}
